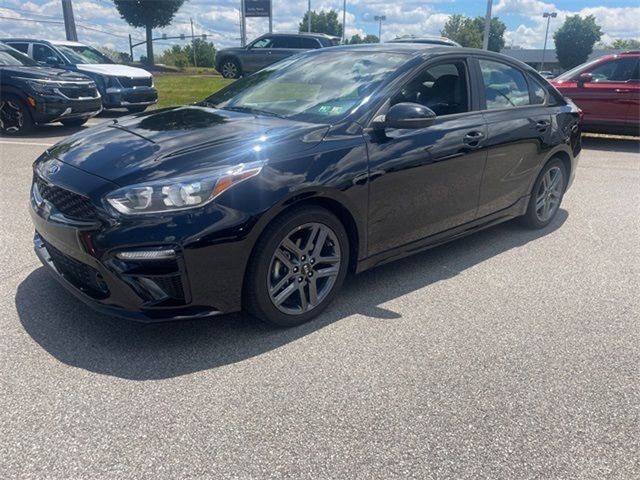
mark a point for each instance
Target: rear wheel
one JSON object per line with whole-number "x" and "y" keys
{"x": 15, "y": 118}
{"x": 230, "y": 68}
{"x": 547, "y": 195}
{"x": 298, "y": 266}
{"x": 74, "y": 122}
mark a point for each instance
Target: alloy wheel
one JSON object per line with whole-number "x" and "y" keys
{"x": 229, "y": 70}
{"x": 304, "y": 268}
{"x": 549, "y": 194}
{"x": 11, "y": 117}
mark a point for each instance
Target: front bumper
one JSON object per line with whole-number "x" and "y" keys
{"x": 130, "y": 97}
{"x": 203, "y": 279}
{"x": 52, "y": 108}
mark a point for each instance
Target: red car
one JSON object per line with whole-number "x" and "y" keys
{"x": 607, "y": 90}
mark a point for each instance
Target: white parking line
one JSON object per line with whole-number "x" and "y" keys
{"x": 33, "y": 144}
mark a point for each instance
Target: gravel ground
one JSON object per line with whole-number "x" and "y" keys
{"x": 510, "y": 354}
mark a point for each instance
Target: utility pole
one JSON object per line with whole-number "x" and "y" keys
{"x": 380, "y": 19}
{"x": 243, "y": 25}
{"x": 344, "y": 22}
{"x": 548, "y": 16}
{"x": 193, "y": 44}
{"x": 487, "y": 26}
{"x": 69, "y": 22}
{"x": 131, "y": 48}
{"x": 309, "y": 17}
{"x": 270, "y": 16}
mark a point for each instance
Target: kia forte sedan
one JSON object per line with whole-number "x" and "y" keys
{"x": 266, "y": 194}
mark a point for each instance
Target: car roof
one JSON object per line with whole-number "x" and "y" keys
{"x": 424, "y": 39}
{"x": 41, "y": 40}
{"x": 299, "y": 34}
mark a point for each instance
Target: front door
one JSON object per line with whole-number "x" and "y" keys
{"x": 427, "y": 180}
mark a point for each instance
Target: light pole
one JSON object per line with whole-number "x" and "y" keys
{"x": 548, "y": 16}
{"x": 487, "y": 26}
{"x": 344, "y": 22}
{"x": 380, "y": 19}
{"x": 309, "y": 17}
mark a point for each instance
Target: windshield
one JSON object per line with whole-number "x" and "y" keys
{"x": 318, "y": 87}
{"x": 79, "y": 54}
{"x": 575, "y": 71}
{"x": 11, "y": 56}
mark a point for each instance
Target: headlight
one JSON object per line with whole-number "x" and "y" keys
{"x": 44, "y": 87}
{"x": 179, "y": 193}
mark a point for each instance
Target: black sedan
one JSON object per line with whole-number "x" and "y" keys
{"x": 265, "y": 195}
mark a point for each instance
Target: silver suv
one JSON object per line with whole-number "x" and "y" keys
{"x": 268, "y": 49}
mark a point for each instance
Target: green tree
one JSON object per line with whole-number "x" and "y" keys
{"x": 626, "y": 44}
{"x": 357, "y": 39}
{"x": 149, "y": 14}
{"x": 575, "y": 40}
{"x": 469, "y": 32}
{"x": 175, "y": 56}
{"x": 462, "y": 30}
{"x": 323, "y": 22}
{"x": 496, "y": 32}
{"x": 205, "y": 52}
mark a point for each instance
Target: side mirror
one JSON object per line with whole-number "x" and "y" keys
{"x": 584, "y": 78}
{"x": 405, "y": 115}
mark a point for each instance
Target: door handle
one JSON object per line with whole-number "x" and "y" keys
{"x": 473, "y": 138}
{"x": 622, "y": 90}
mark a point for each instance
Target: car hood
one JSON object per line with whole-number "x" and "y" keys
{"x": 183, "y": 141}
{"x": 114, "y": 70}
{"x": 42, "y": 73}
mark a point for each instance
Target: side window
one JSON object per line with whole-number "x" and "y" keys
{"x": 21, "y": 47}
{"x": 309, "y": 43}
{"x": 504, "y": 86}
{"x": 263, "y": 43}
{"x": 285, "y": 42}
{"x": 42, "y": 52}
{"x": 619, "y": 70}
{"x": 441, "y": 87}
{"x": 538, "y": 93}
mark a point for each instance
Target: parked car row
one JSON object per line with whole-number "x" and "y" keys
{"x": 55, "y": 81}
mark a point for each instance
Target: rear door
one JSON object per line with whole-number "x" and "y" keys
{"x": 519, "y": 133}
{"x": 285, "y": 46}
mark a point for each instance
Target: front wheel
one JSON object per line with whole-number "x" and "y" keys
{"x": 15, "y": 118}
{"x": 230, "y": 68}
{"x": 298, "y": 266}
{"x": 546, "y": 195}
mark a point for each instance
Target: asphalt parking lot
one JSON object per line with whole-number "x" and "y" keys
{"x": 509, "y": 354}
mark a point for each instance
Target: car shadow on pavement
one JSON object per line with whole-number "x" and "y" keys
{"x": 77, "y": 336}
{"x": 626, "y": 145}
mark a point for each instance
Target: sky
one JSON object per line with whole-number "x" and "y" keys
{"x": 100, "y": 24}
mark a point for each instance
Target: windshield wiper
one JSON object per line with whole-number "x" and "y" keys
{"x": 252, "y": 110}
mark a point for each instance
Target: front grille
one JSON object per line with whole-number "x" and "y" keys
{"x": 68, "y": 203}
{"x": 128, "y": 82}
{"x": 80, "y": 275}
{"x": 171, "y": 285}
{"x": 79, "y": 92}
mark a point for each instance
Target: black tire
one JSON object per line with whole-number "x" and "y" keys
{"x": 137, "y": 109}
{"x": 259, "y": 277}
{"x": 535, "y": 217}
{"x": 74, "y": 122}
{"x": 15, "y": 117}
{"x": 230, "y": 68}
